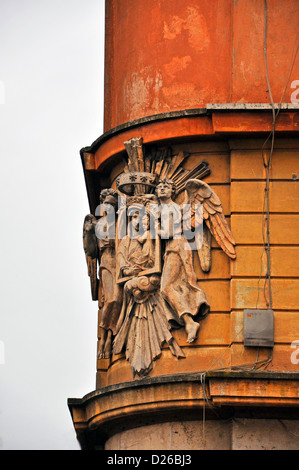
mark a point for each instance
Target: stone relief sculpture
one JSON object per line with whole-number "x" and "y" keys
{"x": 178, "y": 282}
{"x": 143, "y": 323}
{"x": 100, "y": 254}
{"x": 148, "y": 284}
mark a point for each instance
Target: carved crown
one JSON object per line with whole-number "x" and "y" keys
{"x": 143, "y": 172}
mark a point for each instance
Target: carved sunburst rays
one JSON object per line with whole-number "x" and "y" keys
{"x": 181, "y": 175}
{"x": 143, "y": 170}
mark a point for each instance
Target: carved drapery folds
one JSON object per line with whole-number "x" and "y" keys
{"x": 140, "y": 257}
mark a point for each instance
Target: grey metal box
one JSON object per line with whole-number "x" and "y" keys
{"x": 258, "y": 328}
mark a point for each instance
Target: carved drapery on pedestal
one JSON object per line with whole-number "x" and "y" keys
{"x": 148, "y": 283}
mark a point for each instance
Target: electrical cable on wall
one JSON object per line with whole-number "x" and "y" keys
{"x": 268, "y": 162}
{"x": 268, "y": 165}
{"x": 260, "y": 364}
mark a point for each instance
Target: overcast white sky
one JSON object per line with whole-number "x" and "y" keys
{"x": 51, "y": 66}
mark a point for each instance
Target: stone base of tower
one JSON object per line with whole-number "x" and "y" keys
{"x": 217, "y": 411}
{"x": 236, "y": 434}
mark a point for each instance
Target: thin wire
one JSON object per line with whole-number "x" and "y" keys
{"x": 203, "y": 386}
{"x": 268, "y": 162}
{"x": 259, "y": 364}
{"x": 262, "y": 255}
{"x": 247, "y": 367}
{"x": 266, "y": 59}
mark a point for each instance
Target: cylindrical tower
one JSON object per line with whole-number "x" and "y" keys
{"x": 200, "y": 97}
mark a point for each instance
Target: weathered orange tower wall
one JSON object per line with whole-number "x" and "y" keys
{"x": 191, "y": 74}
{"x": 164, "y": 56}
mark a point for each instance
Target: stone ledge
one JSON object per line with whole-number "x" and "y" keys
{"x": 251, "y": 106}
{"x": 186, "y": 113}
{"x": 192, "y": 377}
{"x": 101, "y": 413}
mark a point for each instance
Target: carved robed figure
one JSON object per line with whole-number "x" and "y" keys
{"x": 100, "y": 252}
{"x": 148, "y": 284}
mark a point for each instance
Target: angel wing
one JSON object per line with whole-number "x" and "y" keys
{"x": 199, "y": 192}
{"x": 91, "y": 252}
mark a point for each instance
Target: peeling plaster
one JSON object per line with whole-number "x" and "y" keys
{"x": 195, "y": 25}
{"x": 142, "y": 92}
{"x": 177, "y": 65}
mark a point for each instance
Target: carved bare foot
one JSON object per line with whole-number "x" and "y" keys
{"x": 100, "y": 354}
{"x": 107, "y": 348}
{"x": 191, "y": 328}
{"x": 192, "y": 331}
{"x": 101, "y": 351}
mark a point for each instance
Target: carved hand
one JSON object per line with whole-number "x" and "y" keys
{"x": 132, "y": 271}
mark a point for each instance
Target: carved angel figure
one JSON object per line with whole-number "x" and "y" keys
{"x": 178, "y": 281}
{"x": 101, "y": 252}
